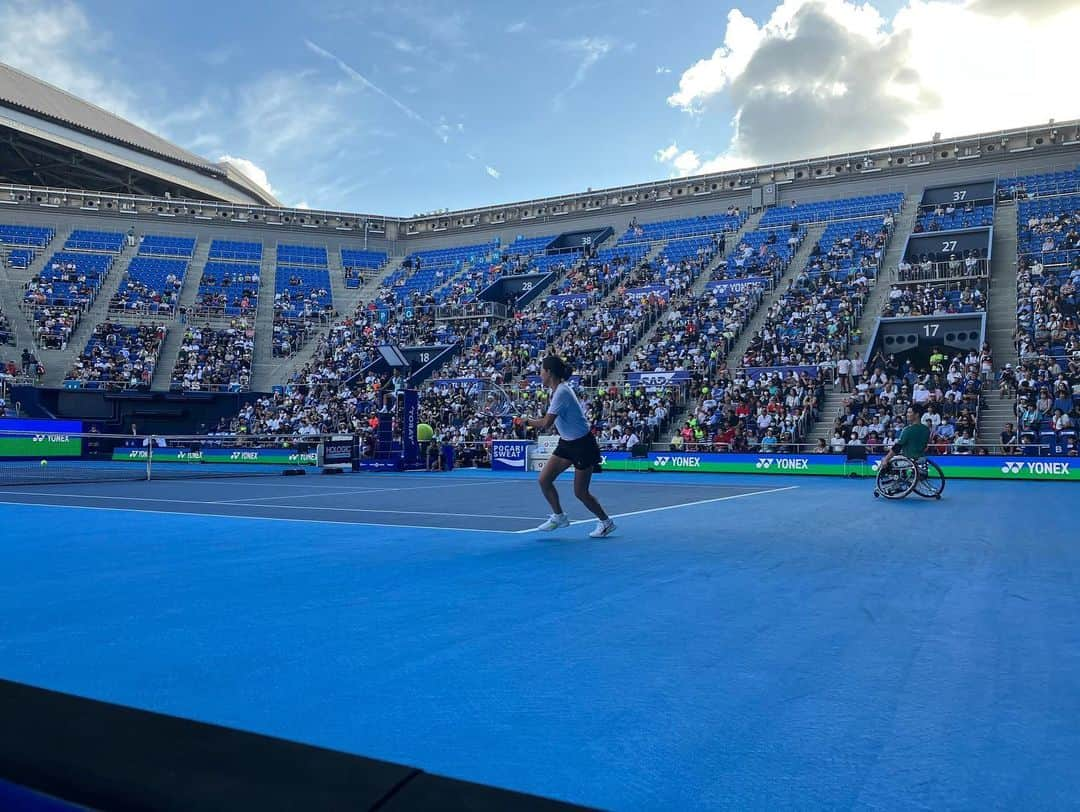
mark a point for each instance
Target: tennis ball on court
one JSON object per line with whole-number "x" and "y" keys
{"x": 424, "y": 433}
{"x": 44, "y": 462}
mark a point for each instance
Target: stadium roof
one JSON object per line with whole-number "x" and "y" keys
{"x": 42, "y": 112}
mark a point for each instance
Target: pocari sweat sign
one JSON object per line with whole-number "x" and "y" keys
{"x": 510, "y": 455}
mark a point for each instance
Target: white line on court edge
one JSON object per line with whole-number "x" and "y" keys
{"x": 674, "y": 507}
{"x": 216, "y": 483}
{"x": 260, "y": 518}
{"x": 275, "y": 507}
{"x": 334, "y": 492}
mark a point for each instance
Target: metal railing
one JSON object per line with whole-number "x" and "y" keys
{"x": 472, "y": 310}
{"x": 939, "y": 272}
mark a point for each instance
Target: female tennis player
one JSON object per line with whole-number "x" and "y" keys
{"x": 577, "y": 446}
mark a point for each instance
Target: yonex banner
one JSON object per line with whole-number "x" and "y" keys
{"x": 683, "y": 462}
{"x": 510, "y": 455}
{"x": 1060, "y": 469}
{"x": 258, "y": 456}
{"x": 958, "y": 467}
{"x": 261, "y": 456}
{"x": 160, "y": 455}
{"x": 50, "y": 438}
{"x": 737, "y": 285}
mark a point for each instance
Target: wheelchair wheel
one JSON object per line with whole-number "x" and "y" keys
{"x": 898, "y": 480}
{"x": 931, "y": 480}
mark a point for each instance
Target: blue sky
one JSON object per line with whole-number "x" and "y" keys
{"x": 406, "y": 107}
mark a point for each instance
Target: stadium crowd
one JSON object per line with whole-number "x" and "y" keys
{"x": 212, "y": 359}
{"x": 118, "y": 357}
{"x": 7, "y": 332}
{"x": 950, "y": 389}
{"x": 1045, "y": 384}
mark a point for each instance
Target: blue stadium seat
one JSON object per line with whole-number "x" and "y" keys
{"x": 162, "y": 246}
{"x": 82, "y": 240}
{"x": 233, "y": 251}
{"x": 825, "y": 210}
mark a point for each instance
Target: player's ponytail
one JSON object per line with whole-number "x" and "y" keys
{"x": 558, "y": 367}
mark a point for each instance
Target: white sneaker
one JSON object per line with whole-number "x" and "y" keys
{"x": 603, "y": 529}
{"x": 555, "y": 521}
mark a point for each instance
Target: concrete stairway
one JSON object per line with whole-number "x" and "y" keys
{"x": 834, "y": 398}
{"x": 750, "y": 224}
{"x": 263, "y": 362}
{"x": 345, "y": 302}
{"x": 1000, "y": 322}
{"x": 13, "y": 285}
{"x": 11, "y": 293}
{"x": 698, "y": 287}
{"x": 58, "y": 362}
{"x": 176, "y": 327}
{"x": 798, "y": 262}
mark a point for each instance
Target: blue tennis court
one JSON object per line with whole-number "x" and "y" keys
{"x": 742, "y": 642}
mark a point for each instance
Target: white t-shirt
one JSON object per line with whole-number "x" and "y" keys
{"x": 570, "y": 419}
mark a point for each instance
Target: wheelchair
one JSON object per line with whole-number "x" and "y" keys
{"x": 905, "y": 475}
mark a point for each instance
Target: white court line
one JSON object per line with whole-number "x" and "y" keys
{"x": 217, "y": 483}
{"x": 675, "y": 507}
{"x": 383, "y": 510}
{"x": 327, "y": 492}
{"x": 275, "y": 507}
{"x": 260, "y": 518}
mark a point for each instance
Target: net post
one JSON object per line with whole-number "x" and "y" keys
{"x": 149, "y": 456}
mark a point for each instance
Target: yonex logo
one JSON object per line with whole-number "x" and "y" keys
{"x": 678, "y": 462}
{"x": 783, "y": 463}
{"x": 1038, "y": 468}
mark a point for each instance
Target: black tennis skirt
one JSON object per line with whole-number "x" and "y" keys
{"x": 584, "y": 452}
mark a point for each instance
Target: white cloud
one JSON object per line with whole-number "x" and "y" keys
{"x": 56, "y": 42}
{"x": 303, "y": 204}
{"x": 493, "y": 172}
{"x": 399, "y": 43}
{"x": 253, "y": 171}
{"x": 661, "y": 69}
{"x": 592, "y": 50}
{"x": 667, "y": 153}
{"x": 826, "y": 76}
{"x": 1029, "y": 8}
{"x": 284, "y": 111}
{"x": 517, "y": 28}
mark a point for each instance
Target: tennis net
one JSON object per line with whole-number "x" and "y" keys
{"x": 51, "y": 458}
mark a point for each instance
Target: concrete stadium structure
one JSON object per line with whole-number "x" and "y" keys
{"x": 67, "y": 165}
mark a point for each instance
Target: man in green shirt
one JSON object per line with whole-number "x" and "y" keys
{"x": 913, "y": 439}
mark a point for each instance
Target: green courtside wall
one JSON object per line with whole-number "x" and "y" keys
{"x": 1057, "y": 469}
